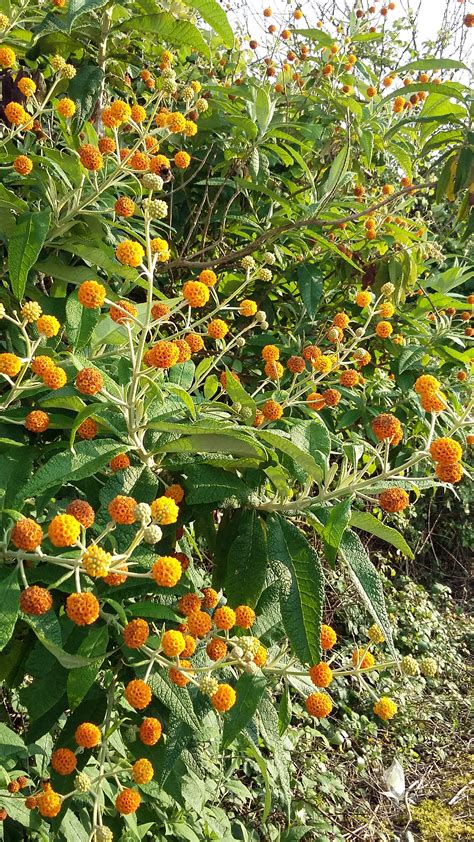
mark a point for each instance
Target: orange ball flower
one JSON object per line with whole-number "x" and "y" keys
{"x": 27, "y": 534}
{"x": 89, "y": 381}
{"x": 82, "y": 608}
{"x": 22, "y": 165}
{"x": 177, "y": 676}
{"x": 82, "y": 511}
{"x": 66, "y": 108}
{"x": 386, "y": 426}
{"x": 349, "y": 378}
{"x": 138, "y": 694}
{"x": 55, "y": 377}
{"x": 446, "y": 451}
{"x": 130, "y": 253}
{"x": 244, "y": 616}
{"x": 90, "y": 157}
{"x": 64, "y": 530}
{"x": 207, "y": 277}
{"x": 49, "y": 803}
{"x": 211, "y": 598}
{"x": 172, "y": 643}
{"x": 217, "y": 329}
{"x": 189, "y": 603}
{"x": 394, "y": 500}
{"x": 136, "y": 633}
{"x": 167, "y": 572}
{"x": 87, "y": 735}
{"x": 119, "y": 462}
{"x": 124, "y": 206}
{"x": 63, "y": 761}
{"x": 142, "y": 771}
{"x": 10, "y": 364}
{"x": 37, "y": 421}
{"x": 449, "y": 473}
{"x": 122, "y": 509}
{"x": 318, "y": 704}
{"x": 216, "y": 649}
{"x": 383, "y": 329}
{"x": 224, "y": 618}
{"x": 272, "y": 410}
{"x": 128, "y": 801}
{"x": 270, "y": 353}
{"x": 91, "y": 295}
{"x": 48, "y": 326}
{"x": 182, "y": 160}
{"x": 199, "y": 623}
{"x": 88, "y": 429}
{"x": 315, "y": 401}
{"x": 117, "y": 313}
{"x": 35, "y": 601}
{"x": 321, "y": 674}
{"x": 150, "y": 731}
{"x": 296, "y": 364}
{"x": 224, "y": 698}
{"x": 362, "y": 659}
{"x": 328, "y": 637}
{"x": 196, "y": 293}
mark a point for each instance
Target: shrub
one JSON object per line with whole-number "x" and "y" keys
{"x": 204, "y": 402}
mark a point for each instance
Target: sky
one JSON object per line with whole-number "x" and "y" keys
{"x": 429, "y": 21}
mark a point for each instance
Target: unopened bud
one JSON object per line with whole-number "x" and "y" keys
{"x": 409, "y": 666}
{"x": 269, "y": 258}
{"x": 388, "y": 289}
{"x": 264, "y": 325}
{"x": 208, "y": 685}
{"x": 82, "y": 782}
{"x": 260, "y": 316}
{"x": 143, "y": 512}
{"x": 152, "y": 534}
{"x": 240, "y": 342}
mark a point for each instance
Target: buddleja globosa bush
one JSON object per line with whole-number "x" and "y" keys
{"x": 213, "y": 380}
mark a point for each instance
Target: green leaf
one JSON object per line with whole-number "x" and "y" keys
{"x": 281, "y": 441}
{"x": 247, "y": 561}
{"x": 88, "y": 458}
{"x": 337, "y": 171}
{"x": 301, "y": 587}
{"x": 269, "y": 727}
{"x": 11, "y": 743}
{"x": 182, "y": 394}
{"x": 165, "y": 27}
{"x": 80, "y": 322}
{"x": 263, "y": 108}
{"x": 310, "y": 284}
{"x": 81, "y": 679}
{"x": 183, "y": 374}
{"x": 153, "y": 611}
{"x": 24, "y": 247}
{"x": 313, "y": 437}
{"x": 334, "y": 528}
{"x": 176, "y": 699}
{"x": 84, "y": 89}
{"x": 410, "y": 357}
{"x": 237, "y": 394}
{"x": 205, "y": 484}
{"x": 315, "y": 35}
{"x": 9, "y": 603}
{"x": 284, "y": 711}
{"x": 369, "y": 523}
{"x": 76, "y": 8}
{"x": 367, "y": 581}
{"x": 431, "y": 64}
{"x": 214, "y": 15}
{"x": 249, "y": 690}
{"x": 48, "y": 632}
